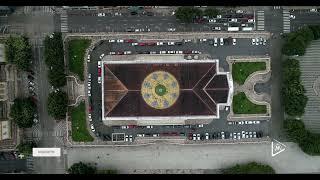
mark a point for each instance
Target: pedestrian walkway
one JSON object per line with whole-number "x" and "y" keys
{"x": 260, "y": 20}
{"x": 286, "y": 21}
{"x": 29, "y": 162}
{"x": 64, "y": 21}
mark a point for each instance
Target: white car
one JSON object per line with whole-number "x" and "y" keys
{"x": 89, "y": 77}
{"x": 198, "y": 137}
{"x": 243, "y": 134}
{"x": 234, "y": 135}
{"x": 292, "y": 16}
{"x": 134, "y": 44}
{"x": 153, "y": 52}
{"x": 234, "y": 41}
{"x": 238, "y": 135}
{"x": 254, "y": 134}
{"x": 241, "y": 122}
{"x": 137, "y": 30}
{"x": 170, "y": 52}
{"x": 212, "y": 20}
{"x": 216, "y": 29}
{"x": 101, "y": 56}
{"x": 89, "y": 117}
{"x": 127, "y": 52}
{"x": 112, "y": 40}
{"x": 187, "y": 40}
{"x": 155, "y": 135}
{"x": 180, "y": 52}
{"x": 120, "y": 41}
{"x": 264, "y": 42}
{"x": 170, "y": 43}
{"x": 239, "y": 11}
{"x": 250, "y": 122}
{"x": 89, "y": 85}
{"x": 159, "y": 43}
{"x": 247, "y": 134}
{"x": 261, "y": 40}
{"x": 124, "y": 127}
{"x": 92, "y": 128}
{"x": 127, "y": 138}
{"x": 230, "y": 123}
{"x": 172, "y": 29}
{"x": 99, "y": 80}
{"x": 200, "y": 125}
{"x": 149, "y": 127}
{"x": 250, "y": 134}
{"x": 256, "y": 122}
{"x": 219, "y": 16}
{"x": 253, "y": 41}
{"x": 140, "y": 135}
{"x": 222, "y": 135}
{"x": 203, "y": 40}
{"x": 194, "y": 137}
{"x": 112, "y": 53}
{"x": 233, "y": 20}
{"x": 250, "y": 20}
{"x": 101, "y": 14}
{"x": 130, "y": 138}
{"x": 195, "y": 52}
{"x": 313, "y": 10}
{"x": 99, "y": 64}
{"x": 163, "y": 52}
{"x": 207, "y": 136}
{"x": 88, "y": 59}
{"x": 221, "y": 41}
{"x": 257, "y": 41}
{"x": 215, "y": 42}
{"x": 89, "y": 93}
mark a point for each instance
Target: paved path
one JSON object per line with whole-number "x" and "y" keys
{"x": 164, "y": 156}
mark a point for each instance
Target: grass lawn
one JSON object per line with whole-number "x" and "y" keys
{"x": 77, "y": 48}
{"x": 241, "y": 70}
{"x": 79, "y": 129}
{"x": 242, "y": 105}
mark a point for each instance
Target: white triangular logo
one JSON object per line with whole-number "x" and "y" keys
{"x": 277, "y": 147}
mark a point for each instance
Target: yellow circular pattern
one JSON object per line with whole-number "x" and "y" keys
{"x": 150, "y": 90}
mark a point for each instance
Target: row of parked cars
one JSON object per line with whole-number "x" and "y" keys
{"x": 226, "y": 135}
{"x": 220, "y": 41}
{"x": 243, "y": 122}
{"x": 258, "y": 41}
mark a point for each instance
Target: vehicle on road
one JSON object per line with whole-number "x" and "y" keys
{"x": 112, "y": 40}
{"x": 88, "y": 58}
{"x": 134, "y": 44}
{"x": 194, "y": 137}
{"x": 99, "y": 79}
{"x": 92, "y": 128}
{"x": 234, "y": 41}
{"x": 207, "y": 136}
{"x": 222, "y": 135}
{"x": 170, "y": 43}
{"x": 130, "y": 138}
{"x": 127, "y": 52}
{"x": 221, "y": 41}
{"x": 101, "y": 56}
{"x": 216, "y": 29}
{"x": 292, "y": 16}
{"x": 159, "y": 43}
{"x": 149, "y": 127}
{"x": 120, "y": 41}
{"x": 198, "y": 137}
{"x": 253, "y": 41}
{"x": 171, "y": 29}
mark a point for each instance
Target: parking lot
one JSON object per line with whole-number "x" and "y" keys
{"x": 299, "y": 18}
{"x": 217, "y": 127}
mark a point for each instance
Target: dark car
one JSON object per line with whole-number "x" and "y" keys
{"x": 149, "y": 13}
{"x": 219, "y": 135}
{"x": 178, "y": 43}
{"x": 182, "y": 134}
{"x": 174, "y": 134}
{"x": 202, "y": 137}
{"x": 190, "y": 136}
{"x": 30, "y": 77}
{"x": 147, "y": 135}
{"x": 227, "y": 135}
{"x": 214, "y": 135}
{"x": 130, "y": 30}
{"x": 107, "y": 137}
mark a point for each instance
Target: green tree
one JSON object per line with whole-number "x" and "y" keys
{"x": 22, "y": 111}
{"x": 19, "y": 52}
{"x": 249, "y": 168}
{"x": 315, "y": 30}
{"x": 26, "y": 147}
{"x": 57, "y": 77}
{"x": 211, "y": 12}
{"x": 82, "y": 168}
{"x": 295, "y": 130}
{"x": 187, "y": 14}
{"x": 57, "y": 104}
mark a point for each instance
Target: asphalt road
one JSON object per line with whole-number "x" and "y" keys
{"x": 304, "y": 17}
{"x": 243, "y": 47}
{"x": 164, "y": 156}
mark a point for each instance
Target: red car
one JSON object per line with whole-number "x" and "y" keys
{"x": 190, "y": 136}
{"x": 120, "y": 53}
{"x": 129, "y": 40}
{"x": 151, "y": 43}
{"x": 174, "y": 134}
{"x": 132, "y": 126}
{"x": 90, "y": 108}
{"x": 187, "y": 52}
{"x": 141, "y": 44}
{"x": 99, "y": 71}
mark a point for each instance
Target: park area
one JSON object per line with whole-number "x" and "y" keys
{"x": 79, "y": 128}
{"x": 77, "y": 49}
{"x": 242, "y": 105}
{"x": 241, "y": 70}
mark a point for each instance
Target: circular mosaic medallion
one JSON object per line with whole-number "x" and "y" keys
{"x": 160, "y": 90}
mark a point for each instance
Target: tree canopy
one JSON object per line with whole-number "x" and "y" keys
{"x": 26, "y": 147}
{"x": 22, "y": 111}
{"x": 19, "y": 52}
{"x": 249, "y": 168}
{"x": 54, "y": 58}
{"x": 57, "y": 104}
{"x": 187, "y": 14}
{"x": 82, "y": 168}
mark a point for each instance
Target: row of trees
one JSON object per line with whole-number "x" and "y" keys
{"x": 19, "y": 52}
{"x": 296, "y": 42}
{"x": 57, "y": 104}
{"x": 187, "y": 14}
{"x": 87, "y": 168}
{"x": 293, "y": 92}
{"x": 308, "y": 142}
{"x": 54, "y": 58}
{"x": 249, "y": 168}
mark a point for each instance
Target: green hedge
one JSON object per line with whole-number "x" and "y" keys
{"x": 79, "y": 127}
{"x": 76, "y": 51}
{"x": 249, "y": 168}
{"x": 308, "y": 142}
{"x": 242, "y": 105}
{"x": 187, "y": 14}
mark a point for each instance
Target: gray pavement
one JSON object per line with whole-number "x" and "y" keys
{"x": 304, "y": 17}
{"x": 164, "y": 156}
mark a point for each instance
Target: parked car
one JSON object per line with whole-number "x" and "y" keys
{"x": 92, "y": 128}
{"x": 264, "y": 42}
{"x": 216, "y": 29}
{"x": 89, "y": 116}
{"x": 219, "y": 16}
{"x": 127, "y": 52}
{"x": 124, "y": 127}
{"x": 134, "y": 44}
{"x": 155, "y": 135}
{"x": 163, "y": 52}
{"x": 254, "y": 134}
{"x": 170, "y": 43}
{"x": 250, "y": 20}
{"x": 221, "y": 41}
{"x": 253, "y": 41}
{"x": 129, "y": 40}
{"x": 257, "y": 41}
{"x": 238, "y": 136}
{"x": 99, "y": 79}
{"x": 198, "y": 137}
{"x": 215, "y": 42}
{"x": 200, "y": 125}
{"x": 243, "y": 134}
{"x": 234, "y": 41}
{"x": 130, "y": 138}
{"x": 207, "y": 136}
{"x": 179, "y": 43}
{"x": 194, "y": 137}
{"x": 222, "y": 135}
{"x": 292, "y": 16}
{"x": 256, "y": 122}
{"x": 171, "y": 29}
{"x": 150, "y": 127}
{"x": 187, "y": 40}
{"x": 126, "y": 138}
{"x": 112, "y": 53}
{"x": 203, "y": 40}
{"x": 159, "y": 43}
{"x": 112, "y": 40}
{"x": 212, "y": 20}
{"x": 120, "y": 41}
{"x": 88, "y": 58}
{"x": 140, "y": 135}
